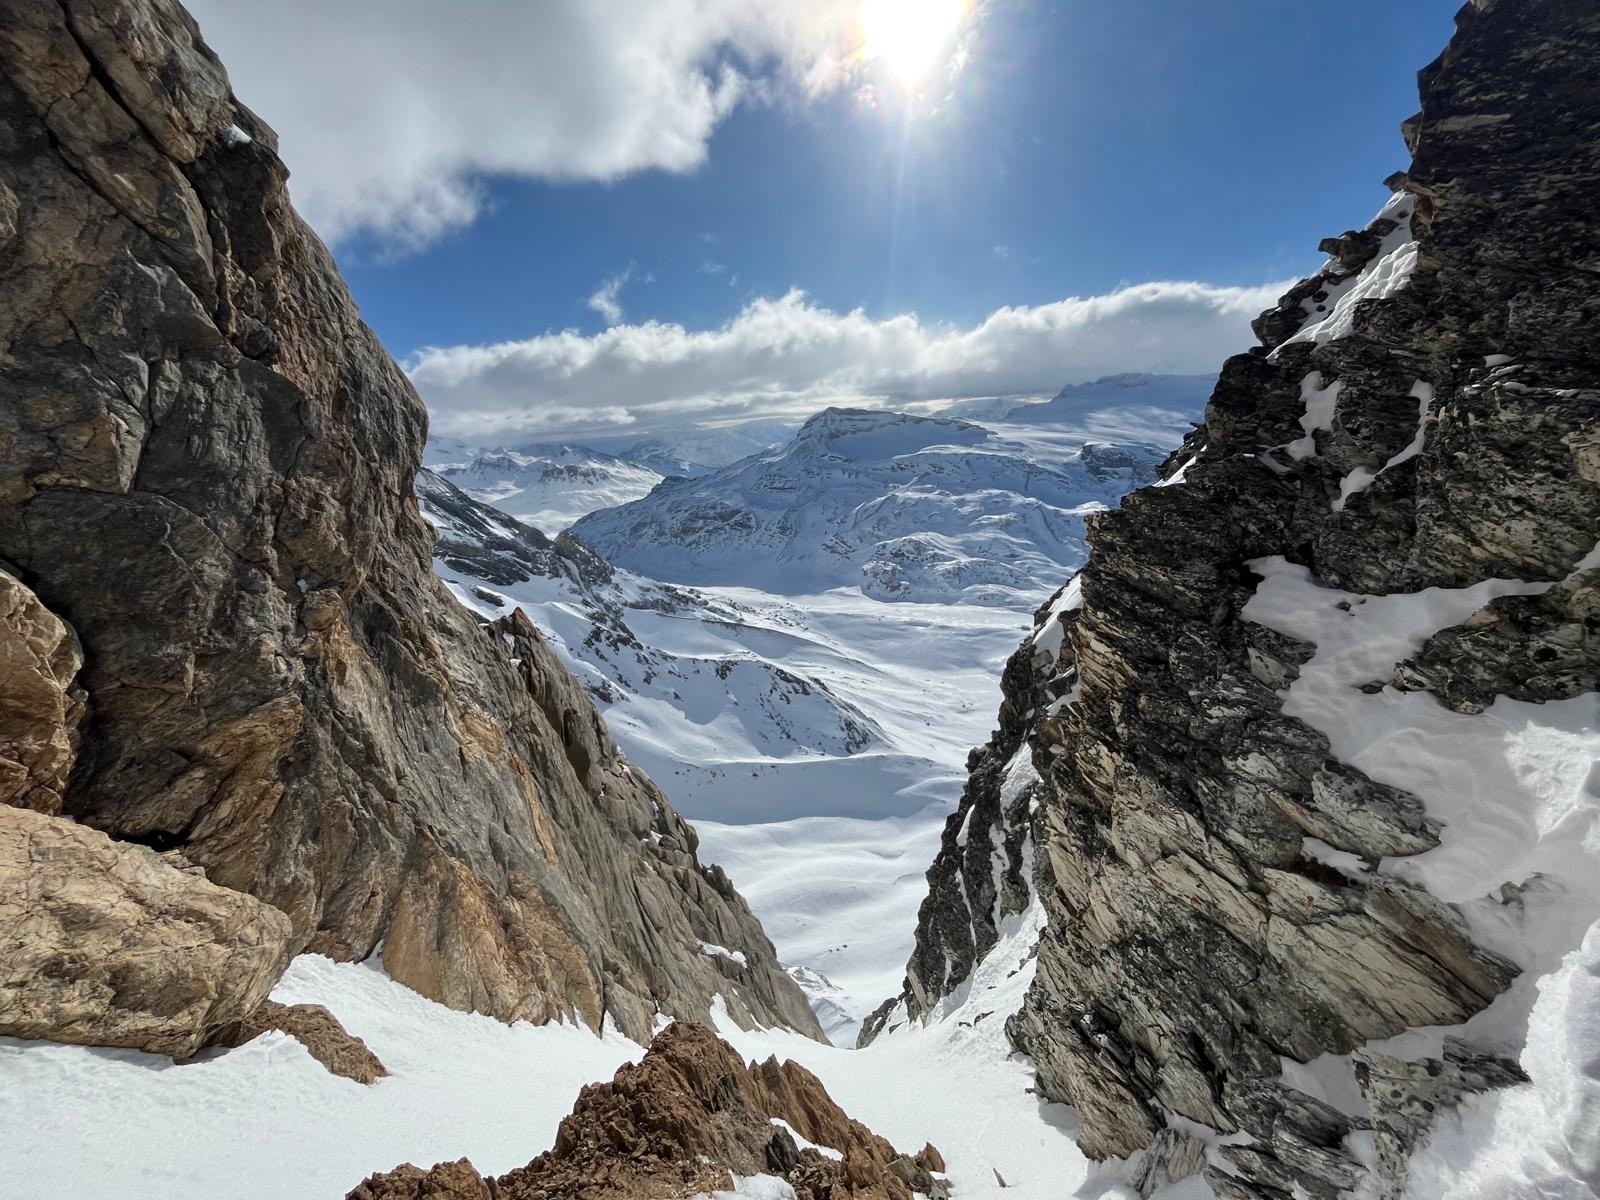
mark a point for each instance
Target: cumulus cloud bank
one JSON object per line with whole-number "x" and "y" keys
{"x": 394, "y": 110}
{"x": 787, "y": 357}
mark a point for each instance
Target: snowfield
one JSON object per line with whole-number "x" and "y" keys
{"x": 266, "y": 1121}
{"x": 819, "y": 736}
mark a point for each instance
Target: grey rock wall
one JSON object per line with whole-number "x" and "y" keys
{"x": 1191, "y": 944}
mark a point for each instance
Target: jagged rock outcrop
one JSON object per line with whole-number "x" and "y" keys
{"x": 678, "y": 1124}
{"x": 315, "y": 1028}
{"x": 110, "y": 944}
{"x": 1224, "y": 892}
{"x": 206, "y": 466}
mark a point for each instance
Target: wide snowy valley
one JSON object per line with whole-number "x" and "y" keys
{"x": 814, "y": 721}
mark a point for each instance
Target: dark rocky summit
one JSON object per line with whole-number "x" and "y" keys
{"x": 678, "y": 1124}
{"x": 1423, "y": 412}
{"x": 206, "y": 466}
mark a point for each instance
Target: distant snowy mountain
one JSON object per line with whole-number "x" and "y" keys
{"x": 702, "y": 450}
{"x": 986, "y": 409}
{"x": 664, "y": 459}
{"x": 903, "y": 507}
{"x": 547, "y": 486}
{"x": 708, "y": 689}
{"x": 1125, "y": 407}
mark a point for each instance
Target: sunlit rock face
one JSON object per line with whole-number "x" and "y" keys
{"x": 1251, "y": 830}
{"x": 206, "y": 466}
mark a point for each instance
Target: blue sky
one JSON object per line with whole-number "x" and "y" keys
{"x": 1080, "y": 148}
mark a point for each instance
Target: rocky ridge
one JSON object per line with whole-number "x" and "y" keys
{"x": 206, "y": 466}
{"x": 678, "y": 1124}
{"x": 1227, "y": 896}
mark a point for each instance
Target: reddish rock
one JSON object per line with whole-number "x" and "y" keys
{"x": 679, "y": 1123}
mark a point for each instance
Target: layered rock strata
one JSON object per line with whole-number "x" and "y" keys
{"x": 1224, "y": 893}
{"x": 206, "y": 466}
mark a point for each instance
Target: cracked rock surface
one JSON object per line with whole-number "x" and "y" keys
{"x": 206, "y": 466}
{"x": 1435, "y": 430}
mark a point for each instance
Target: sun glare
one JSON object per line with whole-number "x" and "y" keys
{"x": 909, "y": 35}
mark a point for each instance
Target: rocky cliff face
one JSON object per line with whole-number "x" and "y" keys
{"x": 206, "y": 466}
{"x": 1282, "y": 720}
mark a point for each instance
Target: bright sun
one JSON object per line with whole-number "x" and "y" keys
{"x": 908, "y": 35}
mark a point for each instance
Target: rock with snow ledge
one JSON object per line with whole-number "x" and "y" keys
{"x": 1316, "y": 742}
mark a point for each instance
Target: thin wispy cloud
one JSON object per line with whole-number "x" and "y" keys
{"x": 604, "y": 300}
{"x": 788, "y": 357}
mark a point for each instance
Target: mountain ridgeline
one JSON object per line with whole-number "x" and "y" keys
{"x": 903, "y": 507}
{"x": 226, "y": 647}
{"x": 1272, "y": 792}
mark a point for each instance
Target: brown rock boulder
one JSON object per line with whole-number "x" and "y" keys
{"x": 447, "y": 1181}
{"x": 315, "y": 1028}
{"x": 679, "y": 1123}
{"x": 40, "y": 701}
{"x": 106, "y": 944}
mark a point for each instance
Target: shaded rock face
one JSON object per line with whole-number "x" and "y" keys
{"x": 206, "y": 466}
{"x": 1424, "y": 412}
{"x": 983, "y": 871}
{"x": 678, "y": 1123}
{"x": 109, "y": 944}
{"x": 315, "y": 1028}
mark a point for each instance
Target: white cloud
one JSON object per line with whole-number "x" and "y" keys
{"x": 392, "y": 112}
{"x": 789, "y": 357}
{"x": 605, "y": 301}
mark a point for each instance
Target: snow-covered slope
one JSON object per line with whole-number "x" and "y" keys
{"x": 266, "y": 1121}
{"x": 903, "y": 507}
{"x": 749, "y": 707}
{"x": 547, "y": 486}
{"x": 819, "y": 737}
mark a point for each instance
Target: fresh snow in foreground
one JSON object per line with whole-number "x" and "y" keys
{"x": 265, "y": 1121}
{"x": 1517, "y": 789}
{"x": 956, "y": 1083}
